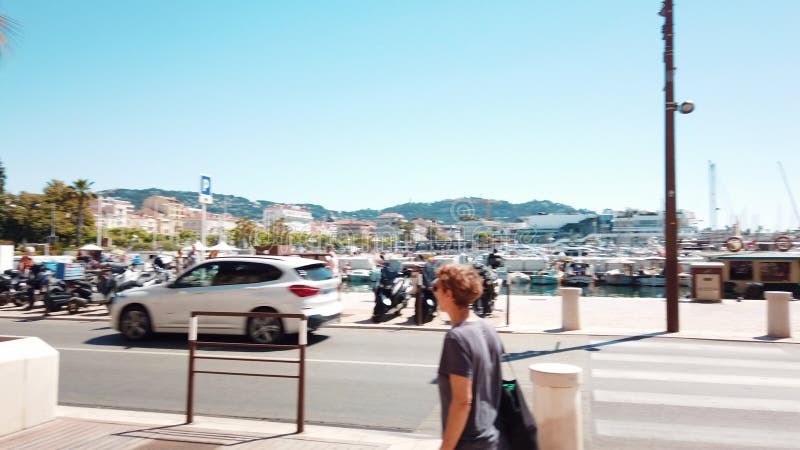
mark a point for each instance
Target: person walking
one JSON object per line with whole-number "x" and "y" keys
{"x": 331, "y": 260}
{"x": 469, "y": 375}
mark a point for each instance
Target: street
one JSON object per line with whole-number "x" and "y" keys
{"x": 639, "y": 392}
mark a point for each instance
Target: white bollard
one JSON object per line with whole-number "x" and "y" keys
{"x": 557, "y": 405}
{"x": 778, "y": 320}
{"x": 570, "y": 308}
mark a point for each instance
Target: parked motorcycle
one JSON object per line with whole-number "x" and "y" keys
{"x": 391, "y": 294}
{"x": 429, "y": 303}
{"x": 13, "y": 288}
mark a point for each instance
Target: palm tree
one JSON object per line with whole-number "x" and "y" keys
{"x": 7, "y": 27}
{"x": 83, "y": 193}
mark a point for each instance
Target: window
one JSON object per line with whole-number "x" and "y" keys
{"x": 775, "y": 271}
{"x": 314, "y": 272}
{"x": 741, "y": 270}
{"x": 234, "y": 272}
{"x": 199, "y": 276}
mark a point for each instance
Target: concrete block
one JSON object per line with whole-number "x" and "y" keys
{"x": 29, "y": 387}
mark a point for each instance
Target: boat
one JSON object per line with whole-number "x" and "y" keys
{"x": 621, "y": 276}
{"x": 359, "y": 270}
{"x": 518, "y": 277}
{"x": 578, "y": 274}
{"x": 547, "y": 277}
{"x": 651, "y": 277}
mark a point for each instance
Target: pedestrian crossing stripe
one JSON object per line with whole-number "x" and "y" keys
{"x": 683, "y": 377}
{"x": 697, "y": 401}
{"x": 753, "y": 349}
{"x": 696, "y": 360}
{"x": 733, "y": 436}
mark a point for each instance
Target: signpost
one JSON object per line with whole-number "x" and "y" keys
{"x": 205, "y": 198}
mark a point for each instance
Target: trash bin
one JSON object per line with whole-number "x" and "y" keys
{"x": 754, "y": 291}
{"x": 707, "y": 281}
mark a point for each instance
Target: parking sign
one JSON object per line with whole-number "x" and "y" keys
{"x": 205, "y": 190}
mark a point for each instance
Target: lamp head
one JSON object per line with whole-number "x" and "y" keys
{"x": 686, "y": 107}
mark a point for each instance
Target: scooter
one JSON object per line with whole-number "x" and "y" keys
{"x": 429, "y": 303}
{"x": 485, "y": 304}
{"x": 13, "y": 288}
{"x": 391, "y": 294}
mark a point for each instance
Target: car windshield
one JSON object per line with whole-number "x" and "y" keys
{"x": 314, "y": 272}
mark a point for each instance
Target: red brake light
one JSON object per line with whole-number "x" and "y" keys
{"x": 303, "y": 291}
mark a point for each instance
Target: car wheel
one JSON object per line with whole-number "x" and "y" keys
{"x": 265, "y": 330}
{"x": 134, "y": 323}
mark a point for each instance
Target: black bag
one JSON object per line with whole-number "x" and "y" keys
{"x": 515, "y": 420}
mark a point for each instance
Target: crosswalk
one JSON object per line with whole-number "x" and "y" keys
{"x": 670, "y": 394}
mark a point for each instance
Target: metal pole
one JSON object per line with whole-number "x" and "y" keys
{"x": 301, "y": 388}
{"x": 99, "y": 220}
{"x": 190, "y": 384}
{"x": 508, "y": 301}
{"x": 202, "y": 253}
{"x": 671, "y": 217}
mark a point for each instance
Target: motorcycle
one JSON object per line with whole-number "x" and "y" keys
{"x": 391, "y": 293}
{"x": 485, "y": 304}
{"x": 13, "y": 288}
{"x": 429, "y": 303}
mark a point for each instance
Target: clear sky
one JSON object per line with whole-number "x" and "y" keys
{"x": 356, "y": 104}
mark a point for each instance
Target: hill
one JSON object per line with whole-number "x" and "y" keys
{"x": 444, "y": 211}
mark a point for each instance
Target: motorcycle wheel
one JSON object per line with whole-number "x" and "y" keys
{"x": 19, "y": 299}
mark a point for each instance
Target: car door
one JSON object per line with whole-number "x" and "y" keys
{"x": 245, "y": 286}
{"x": 192, "y": 291}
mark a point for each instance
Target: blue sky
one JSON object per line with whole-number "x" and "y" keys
{"x": 355, "y": 104}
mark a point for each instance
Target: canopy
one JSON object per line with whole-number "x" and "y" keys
{"x": 222, "y": 246}
{"x": 91, "y": 247}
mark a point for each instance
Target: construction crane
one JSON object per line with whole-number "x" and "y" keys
{"x": 789, "y": 191}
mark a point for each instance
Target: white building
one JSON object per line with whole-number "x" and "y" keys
{"x": 387, "y": 225}
{"x": 110, "y": 212}
{"x": 297, "y": 218}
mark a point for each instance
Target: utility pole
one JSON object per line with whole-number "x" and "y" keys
{"x": 671, "y": 216}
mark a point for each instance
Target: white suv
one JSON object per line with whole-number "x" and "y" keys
{"x": 282, "y": 284}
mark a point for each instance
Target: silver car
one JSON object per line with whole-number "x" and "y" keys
{"x": 282, "y": 284}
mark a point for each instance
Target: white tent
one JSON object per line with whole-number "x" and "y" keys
{"x": 91, "y": 247}
{"x": 197, "y": 246}
{"x": 223, "y": 247}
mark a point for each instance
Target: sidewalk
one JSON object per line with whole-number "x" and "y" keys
{"x": 94, "y": 428}
{"x": 744, "y": 320}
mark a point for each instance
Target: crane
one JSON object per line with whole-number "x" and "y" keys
{"x": 789, "y": 191}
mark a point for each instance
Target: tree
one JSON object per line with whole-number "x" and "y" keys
{"x": 407, "y": 231}
{"x": 245, "y": 232}
{"x": 7, "y": 27}
{"x": 83, "y": 193}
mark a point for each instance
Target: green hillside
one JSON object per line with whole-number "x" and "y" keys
{"x": 444, "y": 211}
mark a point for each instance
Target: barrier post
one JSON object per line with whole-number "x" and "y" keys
{"x": 301, "y": 389}
{"x": 190, "y": 384}
{"x": 778, "y": 320}
{"x": 508, "y": 302}
{"x": 418, "y": 298}
{"x": 570, "y": 308}
{"x": 557, "y": 405}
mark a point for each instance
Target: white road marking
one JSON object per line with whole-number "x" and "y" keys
{"x": 686, "y": 377}
{"x": 754, "y": 349}
{"x": 186, "y": 354}
{"x": 695, "y": 360}
{"x": 728, "y": 435}
{"x": 698, "y": 401}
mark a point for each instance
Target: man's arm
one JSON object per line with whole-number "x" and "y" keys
{"x": 460, "y": 406}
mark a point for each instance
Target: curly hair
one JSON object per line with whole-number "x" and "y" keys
{"x": 463, "y": 281}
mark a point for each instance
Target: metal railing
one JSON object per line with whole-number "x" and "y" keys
{"x": 301, "y": 361}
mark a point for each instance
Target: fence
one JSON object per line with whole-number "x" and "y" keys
{"x": 301, "y": 361}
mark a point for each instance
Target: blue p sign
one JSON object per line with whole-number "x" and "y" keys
{"x": 205, "y": 185}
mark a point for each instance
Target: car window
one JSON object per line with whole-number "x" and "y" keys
{"x": 199, "y": 276}
{"x": 314, "y": 272}
{"x": 236, "y": 272}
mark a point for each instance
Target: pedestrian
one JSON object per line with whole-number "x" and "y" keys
{"x": 192, "y": 257}
{"x": 469, "y": 376}
{"x": 332, "y": 261}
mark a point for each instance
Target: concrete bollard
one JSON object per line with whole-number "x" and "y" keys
{"x": 557, "y": 405}
{"x": 570, "y": 308}
{"x": 778, "y": 320}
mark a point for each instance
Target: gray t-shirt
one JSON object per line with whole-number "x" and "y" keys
{"x": 473, "y": 350}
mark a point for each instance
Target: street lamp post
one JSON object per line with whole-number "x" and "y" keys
{"x": 52, "y": 239}
{"x": 671, "y": 213}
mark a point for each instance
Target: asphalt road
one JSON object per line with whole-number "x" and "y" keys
{"x": 640, "y": 392}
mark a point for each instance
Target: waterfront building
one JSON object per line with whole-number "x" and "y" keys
{"x": 110, "y": 212}
{"x": 387, "y": 225}
{"x": 297, "y": 218}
